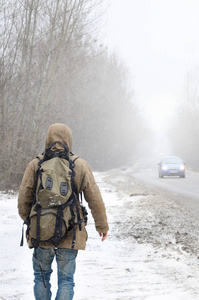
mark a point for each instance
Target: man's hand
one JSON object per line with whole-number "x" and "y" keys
{"x": 104, "y": 235}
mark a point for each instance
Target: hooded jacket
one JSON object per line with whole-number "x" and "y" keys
{"x": 84, "y": 182}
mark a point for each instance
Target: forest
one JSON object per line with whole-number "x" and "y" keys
{"x": 55, "y": 68}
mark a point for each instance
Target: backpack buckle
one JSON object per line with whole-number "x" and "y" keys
{"x": 56, "y": 154}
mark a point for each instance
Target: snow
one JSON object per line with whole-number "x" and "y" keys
{"x": 125, "y": 266}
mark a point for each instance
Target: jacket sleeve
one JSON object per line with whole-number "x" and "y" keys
{"x": 26, "y": 191}
{"x": 86, "y": 184}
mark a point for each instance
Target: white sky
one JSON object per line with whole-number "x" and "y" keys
{"x": 159, "y": 40}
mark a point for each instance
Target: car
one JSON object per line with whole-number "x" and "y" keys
{"x": 171, "y": 166}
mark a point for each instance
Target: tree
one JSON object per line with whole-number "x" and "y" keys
{"x": 185, "y": 130}
{"x": 98, "y": 105}
{"x": 53, "y": 69}
{"x": 34, "y": 37}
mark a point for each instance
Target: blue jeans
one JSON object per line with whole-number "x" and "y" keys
{"x": 42, "y": 261}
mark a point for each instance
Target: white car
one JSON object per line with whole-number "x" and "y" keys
{"x": 171, "y": 166}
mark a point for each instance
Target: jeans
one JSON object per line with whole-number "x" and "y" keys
{"x": 42, "y": 261}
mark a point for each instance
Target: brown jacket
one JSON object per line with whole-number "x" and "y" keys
{"x": 84, "y": 182}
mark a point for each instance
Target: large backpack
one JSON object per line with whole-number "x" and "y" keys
{"x": 55, "y": 210}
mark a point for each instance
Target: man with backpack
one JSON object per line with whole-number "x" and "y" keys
{"x": 50, "y": 206}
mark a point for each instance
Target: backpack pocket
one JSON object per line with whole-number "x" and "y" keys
{"x": 47, "y": 225}
{"x": 55, "y": 189}
{"x": 54, "y": 184}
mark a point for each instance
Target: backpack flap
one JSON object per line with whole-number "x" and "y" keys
{"x": 54, "y": 183}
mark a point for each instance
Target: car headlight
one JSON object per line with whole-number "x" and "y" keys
{"x": 164, "y": 168}
{"x": 182, "y": 167}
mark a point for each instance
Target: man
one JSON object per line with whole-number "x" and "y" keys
{"x": 64, "y": 253}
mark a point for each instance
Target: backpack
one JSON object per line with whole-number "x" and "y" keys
{"x": 55, "y": 209}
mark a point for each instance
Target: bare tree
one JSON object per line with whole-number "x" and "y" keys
{"x": 53, "y": 69}
{"x": 34, "y": 35}
{"x": 185, "y": 130}
{"x": 98, "y": 105}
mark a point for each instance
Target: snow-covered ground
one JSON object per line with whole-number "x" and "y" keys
{"x": 150, "y": 253}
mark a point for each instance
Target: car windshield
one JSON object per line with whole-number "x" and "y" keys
{"x": 171, "y": 160}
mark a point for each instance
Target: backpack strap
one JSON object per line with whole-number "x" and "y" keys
{"x": 38, "y": 225}
{"x": 74, "y": 159}
{"x": 40, "y": 157}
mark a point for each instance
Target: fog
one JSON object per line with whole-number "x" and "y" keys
{"x": 123, "y": 75}
{"x": 54, "y": 68}
{"x": 158, "y": 40}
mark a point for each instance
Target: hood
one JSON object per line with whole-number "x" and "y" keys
{"x": 59, "y": 132}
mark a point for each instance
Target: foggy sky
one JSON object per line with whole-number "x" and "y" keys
{"x": 158, "y": 39}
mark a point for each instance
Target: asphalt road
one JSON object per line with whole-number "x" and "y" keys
{"x": 184, "y": 191}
